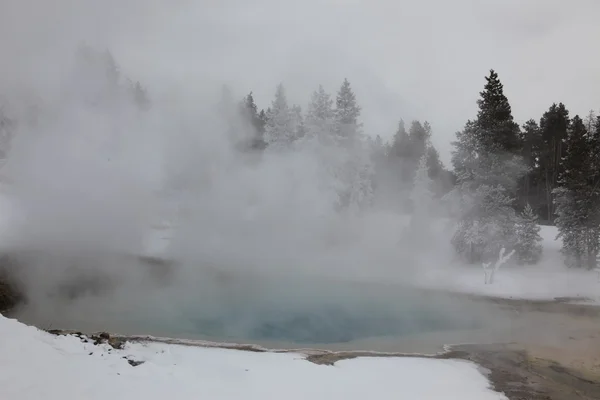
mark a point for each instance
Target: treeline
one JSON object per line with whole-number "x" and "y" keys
{"x": 505, "y": 178}
{"x": 335, "y": 122}
{"x": 548, "y": 169}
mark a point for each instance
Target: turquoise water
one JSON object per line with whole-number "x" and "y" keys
{"x": 311, "y": 312}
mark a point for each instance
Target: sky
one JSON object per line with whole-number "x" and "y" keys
{"x": 421, "y": 59}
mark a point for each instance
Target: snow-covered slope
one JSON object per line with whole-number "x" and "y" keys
{"x": 36, "y": 365}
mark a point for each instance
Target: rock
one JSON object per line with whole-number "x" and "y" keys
{"x": 134, "y": 363}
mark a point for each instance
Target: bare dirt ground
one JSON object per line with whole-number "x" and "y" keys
{"x": 553, "y": 352}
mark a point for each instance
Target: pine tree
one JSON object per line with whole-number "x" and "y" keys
{"x": 531, "y": 140}
{"x": 486, "y": 224}
{"x": 435, "y": 167}
{"x": 356, "y": 172}
{"x": 400, "y": 142}
{"x": 487, "y": 170}
{"x": 528, "y": 248}
{"x": 320, "y": 117}
{"x": 419, "y": 136}
{"x": 575, "y": 201}
{"x": 279, "y": 129}
{"x": 298, "y": 126}
{"x": 347, "y": 112}
{"x": 253, "y": 120}
{"x": 499, "y": 132}
{"x": 554, "y": 125}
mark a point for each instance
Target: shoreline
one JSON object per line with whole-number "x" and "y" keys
{"x": 542, "y": 349}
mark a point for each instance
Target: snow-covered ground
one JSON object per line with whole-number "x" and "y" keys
{"x": 547, "y": 280}
{"x": 36, "y": 365}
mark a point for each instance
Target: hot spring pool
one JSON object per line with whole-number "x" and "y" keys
{"x": 303, "y": 312}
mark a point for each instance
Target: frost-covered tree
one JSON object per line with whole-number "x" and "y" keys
{"x": 529, "y": 247}
{"x": 486, "y": 224}
{"x": 356, "y": 172}
{"x": 279, "y": 129}
{"x": 487, "y": 171}
{"x": 347, "y": 112}
{"x": 320, "y": 117}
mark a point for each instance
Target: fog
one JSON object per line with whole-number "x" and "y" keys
{"x": 92, "y": 174}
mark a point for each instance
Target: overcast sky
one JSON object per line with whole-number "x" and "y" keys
{"x": 422, "y": 59}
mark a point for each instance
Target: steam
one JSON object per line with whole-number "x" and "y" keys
{"x": 93, "y": 172}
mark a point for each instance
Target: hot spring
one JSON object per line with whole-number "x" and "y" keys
{"x": 252, "y": 309}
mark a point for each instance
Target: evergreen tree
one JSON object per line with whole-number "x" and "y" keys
{"x": 320, "y": 117}
{"x": 435, "y": 167}
{"x": 487, "y": 170}
{"x": 554, "y": 125}
{"x": 531, "y": 140}
{"x": 356, "y": 172}
{"x": 400, "y": 142}
{"x": 419, "y": 136}
{"x": 347, "y": 112}
{"x": 298, "y": 125}
{"x": 255, "y": 120}
{"x": 576, "y": 207}
{"x": 528, "y": 248}
{"x": 486, "y": 223}
{"x": 279, "y": 129}
{"x": 499, "y": 132}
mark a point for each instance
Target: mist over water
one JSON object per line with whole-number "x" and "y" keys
{"x": 257, "y": 250}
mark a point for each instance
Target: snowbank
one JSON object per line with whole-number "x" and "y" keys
{"x": 35, "y": 365}
{"x": 547, "y": 280}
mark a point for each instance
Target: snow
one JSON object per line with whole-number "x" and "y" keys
{"x": 35, "y": 364}
{"x": 547, "y": 280}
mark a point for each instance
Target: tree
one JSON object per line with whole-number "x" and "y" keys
{"x": 486, "y": 223}
{"x": 435, "y": 167}
{"x": 487, "y": 169}
{"x": 356, "y": 172}
{"x": 320, "y": 117}
{"x": 254, "y": 121}
{"x": 531, "y": 141}
{"x": 528, "y": 248}
{"x": 576, "y": 200}
{"x": 499, "y": 133}
{"x": 554, "y": 125}
{"x": 298, "y": 126}
{"x": 347, "y": 112}
{"x": 419, "y": 136}
{"x": 400, "y": 142}
{"x": 279, "y": 129}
